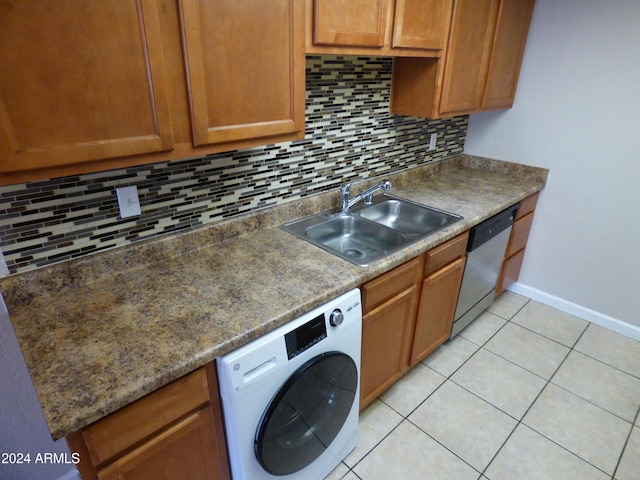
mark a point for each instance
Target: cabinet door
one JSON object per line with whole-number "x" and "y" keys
{"x": 437, "y": 307}
{"x": 80, "y": 80}
{"x": 421, "y": 23}
{"x": 385, "y": 344}
{"x": 185, "y": 451}
{"x": 508, "y": 48}
{"x": 519, "y": 234}
{"x": 355, "y": 23}
{"x": 468, "y": 55}
{"x": 119, "y": 431}
{"x": 245, "y": 68}
{"x": 510, "y": 271}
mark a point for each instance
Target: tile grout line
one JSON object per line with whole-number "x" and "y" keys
{"x": 548, "y": 382}
{"x": 626, "y": 443}
{"x": 519, "y": 421}
{"x": 448, "y": 378}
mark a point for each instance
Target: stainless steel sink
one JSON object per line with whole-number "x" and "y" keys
{"x": 369, "y": 233}
{"x": 407, "y": 217}
{"x": 355, "y": 239}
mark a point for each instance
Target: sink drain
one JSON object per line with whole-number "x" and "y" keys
{"x": 353, "y": 253}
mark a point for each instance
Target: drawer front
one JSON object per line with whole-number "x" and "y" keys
{"x": 519, "y": 234}
{"x": 527, "y": 205}
{"x": 443, "y": 254}
{"x": 390, "y": 284}
{"x": 510, "y": 272}
{"x": 115, "y": 433}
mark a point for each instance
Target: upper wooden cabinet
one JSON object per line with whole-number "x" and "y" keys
{"x": 88, "y": 86}
{"x": 468, "y": 54}
{"x": 353, "y": 23}
{"x": 422, "y": 24}
{"x": 481, "y": 66}
{"x": 80, "y": 80}
{"x": 378, "y": 27}
{"x": 243, "y": 68}
{"x": 509, "y": 41}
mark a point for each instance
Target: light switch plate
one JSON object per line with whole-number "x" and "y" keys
{"x": 128, "y": 201}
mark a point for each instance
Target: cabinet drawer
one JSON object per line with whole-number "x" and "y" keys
{"x": 510, "y": 272}
{"x": 439, "y": 256}
{"x": 117, "y": 432}
{"x": 185, "y": 450}
{"x": 519, "y": 234}
{"x": 527, "y": 205}
{"x": 378, "y": 291}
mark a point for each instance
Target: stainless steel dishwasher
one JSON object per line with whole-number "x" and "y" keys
{"x": 485, "y": 254}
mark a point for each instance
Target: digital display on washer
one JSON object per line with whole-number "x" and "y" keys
{"x": 305, "y": 336}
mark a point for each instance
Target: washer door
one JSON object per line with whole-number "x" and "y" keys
{"x": 307, "y": 413}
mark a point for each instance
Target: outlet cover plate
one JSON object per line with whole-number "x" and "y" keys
{"x": 128, "y": 201}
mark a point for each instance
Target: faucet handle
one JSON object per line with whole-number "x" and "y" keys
{"x": 385, "y": 185}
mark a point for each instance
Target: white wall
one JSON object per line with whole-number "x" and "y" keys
{"x": 22, "y": 425}
{"x": 577, "y": 113}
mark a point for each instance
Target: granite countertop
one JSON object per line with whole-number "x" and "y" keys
{"x": 99, "y": 332}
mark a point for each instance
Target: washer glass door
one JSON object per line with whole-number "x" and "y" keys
{"x": 307, "y": 413}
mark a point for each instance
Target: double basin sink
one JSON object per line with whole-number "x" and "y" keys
{"x": 368, "y": 233}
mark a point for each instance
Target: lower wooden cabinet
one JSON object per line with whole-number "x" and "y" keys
{"x": 408, "y": 313}
{"x": 184, "y": 451}
{"x": 438, "y": 300}
{"x": 517, "y": 244}
{"x": 389, "y": 306}
{"x": 174, "y": 433}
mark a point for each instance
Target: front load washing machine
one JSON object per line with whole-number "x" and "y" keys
{"x": 290, "y": 399}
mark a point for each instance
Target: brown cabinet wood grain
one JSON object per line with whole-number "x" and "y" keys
{"x": 131, "y": 424}
{"x": 480, "y": 68}
{"x": 509, "y": 41}
{"x": 386, "y": 333}
{"x": 421, "y": 24}
{"x": 354, "y": 23}
{"x": 468, "y": 55}
{"x": 87, "y": 86}
{"x": 438, "y": 296}
{"x": 243, "y": 68}
{"x": 389, "y": 306}
{"x": 174, "y": 432}
{"x": 385, "y": 287}
{"x": 440, "y": 256}
{"x": 517, "y": 244}
{"x": 510, "y": 271}
{"x": 80, "y": 81}
{"x": 408, "y": 313}
{"x": 182, "y": 451}
{"x": 378, "y": 27}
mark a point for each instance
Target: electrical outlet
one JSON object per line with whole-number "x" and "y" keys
{"x": 128, "y": 201}
{"x": 432, "y": 141}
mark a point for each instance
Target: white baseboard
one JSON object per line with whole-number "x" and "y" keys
{"x": 579, "y": 311}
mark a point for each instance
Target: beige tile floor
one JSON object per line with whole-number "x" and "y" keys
{"x": 525, "y": 392}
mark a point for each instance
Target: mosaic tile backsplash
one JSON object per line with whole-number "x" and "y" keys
{"x": 349, "y": 134}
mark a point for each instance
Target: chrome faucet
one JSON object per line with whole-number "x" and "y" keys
{"x": 348, "y": 202}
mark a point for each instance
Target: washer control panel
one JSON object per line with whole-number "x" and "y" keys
{"x": 305, "y": 336}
